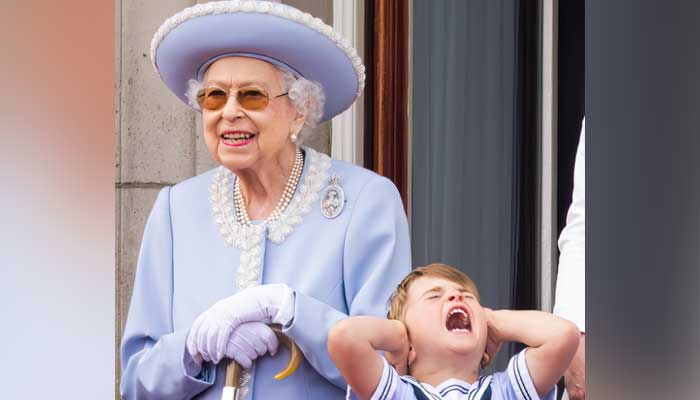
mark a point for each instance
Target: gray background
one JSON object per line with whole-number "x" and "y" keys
{"x": 464, "y": 169}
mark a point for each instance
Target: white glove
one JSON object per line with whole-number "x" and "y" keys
{"x": 209, "y": 333}
{"x": 249, "y": 341}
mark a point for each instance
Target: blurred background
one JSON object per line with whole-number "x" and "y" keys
{"x": 57, "y": 290}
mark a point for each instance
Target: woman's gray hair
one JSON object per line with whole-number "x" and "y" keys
{"x": 307, "y": 97}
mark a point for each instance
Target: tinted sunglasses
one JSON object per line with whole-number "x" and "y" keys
{"x": 250, "y": 98}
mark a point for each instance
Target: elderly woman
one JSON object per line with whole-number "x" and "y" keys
{"x": 278, "y": 234}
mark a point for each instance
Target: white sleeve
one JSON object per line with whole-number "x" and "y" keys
{"x": 390, "y": 387}
{"x": 570, "y": 300}
{"x": 521, "y": 386}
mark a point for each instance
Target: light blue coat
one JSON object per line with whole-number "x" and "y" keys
{"x": 192, "y": 254}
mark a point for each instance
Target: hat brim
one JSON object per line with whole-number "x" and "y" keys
{"x": 192, "y": 44}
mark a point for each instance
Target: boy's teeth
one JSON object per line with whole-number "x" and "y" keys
{"x": 458, "y": 321}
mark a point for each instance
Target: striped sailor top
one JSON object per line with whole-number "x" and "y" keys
{"x": 514, "y": 383}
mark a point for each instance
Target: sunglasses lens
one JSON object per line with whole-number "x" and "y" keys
{"x": 252, "y": 99}
{"x": 248, "y": 98}
{"x": 212, "y": 99}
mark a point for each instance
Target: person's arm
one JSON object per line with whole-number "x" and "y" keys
{"x": 571, "y": 279}
{"x": 155, "y": 363}
{"x": 377, "y": 256}
{"x": 571, "y": 276}
{"x": 552, "y": 342}
{"x": 353, "y": 345}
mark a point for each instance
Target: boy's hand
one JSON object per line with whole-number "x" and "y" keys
{"x": 494, "y": 339}
{"x": 398, "y": 355}
{"x": 353, "y": 344}
{"x": 551, "y": 341}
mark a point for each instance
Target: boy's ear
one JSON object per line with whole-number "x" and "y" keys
{"x": 411, "y": 355}
{"x": 485, "y": 360}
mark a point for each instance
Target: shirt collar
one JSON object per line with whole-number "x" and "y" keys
{"x": 454, "y": 384}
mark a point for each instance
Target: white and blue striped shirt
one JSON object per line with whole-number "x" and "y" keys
{"x": 513, "y": 384}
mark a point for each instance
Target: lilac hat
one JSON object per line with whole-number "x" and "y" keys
{"x": 189, "y": 41}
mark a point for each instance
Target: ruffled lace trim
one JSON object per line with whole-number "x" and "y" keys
{"x": 248, "y": 238}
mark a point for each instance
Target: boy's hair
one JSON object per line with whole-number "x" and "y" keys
{"x": 397, "y": 301}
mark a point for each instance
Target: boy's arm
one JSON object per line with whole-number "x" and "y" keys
{"x": 552, "y": 342}
{"x": 353, "y": 344}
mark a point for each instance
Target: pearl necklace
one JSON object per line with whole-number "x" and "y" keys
{"x": 287, "y": 194}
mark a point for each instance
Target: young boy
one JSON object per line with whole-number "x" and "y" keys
{"x": 439, "y": 334}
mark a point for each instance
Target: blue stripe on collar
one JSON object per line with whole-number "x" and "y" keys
{"x": 454, "y": 387}
{"x": 419, "y": 390}
{"x": 480, "y": 391}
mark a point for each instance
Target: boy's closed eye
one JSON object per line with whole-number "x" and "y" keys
{"x": 433, "y": 295}
{"x": 437, "y": 292}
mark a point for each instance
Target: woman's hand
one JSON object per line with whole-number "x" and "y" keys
{"x": 250, "y": 341}
{"x": 210, "y": 332}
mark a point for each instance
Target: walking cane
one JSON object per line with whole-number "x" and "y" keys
{"x": 233, "y": 370}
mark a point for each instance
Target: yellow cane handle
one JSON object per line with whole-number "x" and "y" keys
{"x": 295, "y": 353}
{"x": 233, "y": 370}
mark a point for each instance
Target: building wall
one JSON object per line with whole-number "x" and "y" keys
{"x": 158, "y": 139}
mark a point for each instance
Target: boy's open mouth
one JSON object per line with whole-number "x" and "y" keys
{"x": 458, "y": 320}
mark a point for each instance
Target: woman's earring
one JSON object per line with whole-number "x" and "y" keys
{"x": 293, "y": 137}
